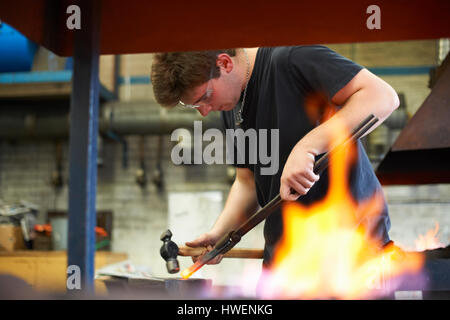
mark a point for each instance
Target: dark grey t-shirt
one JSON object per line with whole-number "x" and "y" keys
{"x": 283, "y": 79}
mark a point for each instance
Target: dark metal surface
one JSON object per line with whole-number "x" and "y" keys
{"x": 159, "y": 288}
{"x": 185, "y": 287}
{"x": 83, "y": 145}
{"x": 421, "y": 153}
{"x": 422, "y": 166}
{"x": 434, "y": 278}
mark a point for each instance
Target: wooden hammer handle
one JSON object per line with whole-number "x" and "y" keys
{"x": 186, "y": 251}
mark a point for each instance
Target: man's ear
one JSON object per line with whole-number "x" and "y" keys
{"x": 224, "y": 62}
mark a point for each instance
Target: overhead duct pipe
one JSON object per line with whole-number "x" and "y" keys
{"x": 32, "y": 125}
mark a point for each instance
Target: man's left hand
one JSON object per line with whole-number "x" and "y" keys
{"x": 298, "y": 173}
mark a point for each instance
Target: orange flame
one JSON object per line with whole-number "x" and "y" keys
{"x": 325, "y": 251}
{"x": 429, "y": 241}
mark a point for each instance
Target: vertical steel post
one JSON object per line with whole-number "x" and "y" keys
{"x": 84, "y": 112}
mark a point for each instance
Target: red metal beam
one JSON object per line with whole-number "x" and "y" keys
{"x": 152, "y": 26}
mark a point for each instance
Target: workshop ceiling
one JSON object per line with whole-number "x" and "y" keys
{"x": 155, "y": 26}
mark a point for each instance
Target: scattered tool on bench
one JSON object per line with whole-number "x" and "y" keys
{"x": 169, "y": 251}
{"x": 233, "y": 237}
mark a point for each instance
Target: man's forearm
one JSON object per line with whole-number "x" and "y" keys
{"x": 240, "y": 204}
{"x": 378, "y": 99}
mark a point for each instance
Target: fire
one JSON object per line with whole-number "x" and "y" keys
{"x": 325, "y": 251}
{"x": 429, "y": 240}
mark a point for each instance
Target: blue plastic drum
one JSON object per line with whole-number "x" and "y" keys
{"x": 16, "y": 51}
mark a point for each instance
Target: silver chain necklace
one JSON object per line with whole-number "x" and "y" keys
{"x": 239, "y": 118}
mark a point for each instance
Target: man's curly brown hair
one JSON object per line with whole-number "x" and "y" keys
{"x": 175, "y": 73}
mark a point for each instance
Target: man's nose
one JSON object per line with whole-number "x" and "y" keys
{"x": 205, "y": 109}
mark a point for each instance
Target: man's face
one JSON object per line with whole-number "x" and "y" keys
{"x": 217, "y": 94}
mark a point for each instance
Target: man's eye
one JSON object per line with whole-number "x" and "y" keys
{"x": 208, "y": 96}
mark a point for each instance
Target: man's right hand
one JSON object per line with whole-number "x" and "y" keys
{"x": 207, "y": 241}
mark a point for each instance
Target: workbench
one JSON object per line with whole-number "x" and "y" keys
{"x": 46, "y": 270}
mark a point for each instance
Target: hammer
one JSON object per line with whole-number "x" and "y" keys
{"x": 169, "y": 252}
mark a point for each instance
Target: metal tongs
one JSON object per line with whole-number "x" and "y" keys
{"x": 233, "y": 237}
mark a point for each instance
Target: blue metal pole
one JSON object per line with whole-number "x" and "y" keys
{"x": 83, "y": 144}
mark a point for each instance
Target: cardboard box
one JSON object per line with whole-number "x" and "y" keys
{"x": 42, "y": 242}
{"x": 11, "y": 238}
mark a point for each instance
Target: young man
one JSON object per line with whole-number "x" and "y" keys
{"x": 278, "y": 88}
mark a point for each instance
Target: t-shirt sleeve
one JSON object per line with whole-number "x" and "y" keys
{"x": 320, "y": 68}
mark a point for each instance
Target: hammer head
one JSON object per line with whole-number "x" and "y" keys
{"x": 169, "y": 252}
